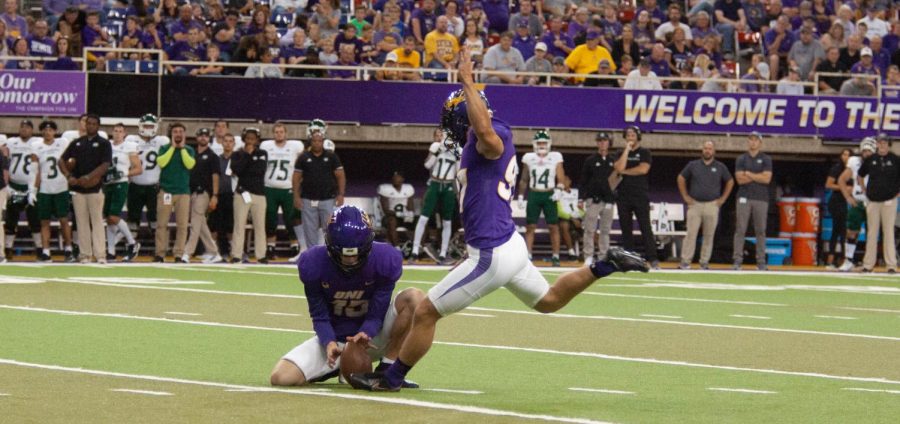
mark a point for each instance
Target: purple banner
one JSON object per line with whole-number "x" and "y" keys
{"x": 54, "y": 93}
{"x": 374, "y": 103}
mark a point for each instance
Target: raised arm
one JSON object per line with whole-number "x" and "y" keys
{"x": 489, "y": 143}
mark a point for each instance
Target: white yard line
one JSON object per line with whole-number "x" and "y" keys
{"x": 835, "y": 317}
{"x": 685, "y": 299}
{"x": 607, "y": 391}
{"x": 4, "y": 394}
{"x": 750, "y": 316}
{"x": 189, "y": 314}
{"x": 889, "y": 311}
{"x": 661, "y": 316}
{"x": 493, "y": 347}
{"x": 462, "y": 392}
{"x": 142, "y": 392}
{"x": 466, "y": 314}
{"x": 726, "y": 389}
{"x": 282, "y": 314}
{"x": 856, "y": 389}
{"x": 378, "y": 399}
{"x": 181, "y": 289}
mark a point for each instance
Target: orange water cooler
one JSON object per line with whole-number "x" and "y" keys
{"x": 787, "y": 214}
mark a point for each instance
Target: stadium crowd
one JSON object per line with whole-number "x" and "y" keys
{"x": 787, "y": 41}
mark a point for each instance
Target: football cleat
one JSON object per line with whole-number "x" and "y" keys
{"x": 70, "y": 257}
{"x": 270, "y": 253}
{"x": 382, "y": 367}
{"x": 263, "y": 261}
{"x": 158, "y": 259}
{"x": 625, "y": 261}
{"x": 847, "y": 266}
{"x": 42, "y": 257}
{"x": 554, "y": 261}
{"x": 371, "y": 381}
{"x": 131, "y": 252}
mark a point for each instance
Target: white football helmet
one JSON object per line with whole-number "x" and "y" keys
{"x": 148, "y": 126}
{"x": 542, "y": 142}
{"x": 869, "y": 144}
{"x": 316, "y": 125}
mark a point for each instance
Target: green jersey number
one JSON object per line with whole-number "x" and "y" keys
{"x": 54, "y": 168}
{"x": 541, "y": 181}
{"x": 151, "y": 160}
{"x": 443, "y": 169}
{"x": 17, "y": 160}
{"x": 281, "y": 167}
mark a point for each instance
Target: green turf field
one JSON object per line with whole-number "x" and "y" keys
{"x": 140, "y": 343}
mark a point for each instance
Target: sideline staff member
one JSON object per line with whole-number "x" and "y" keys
{"x": 598, "y": 197}
{"x": 85, "y": 162}
{"x": 700, "y": 184}
{"x": 633, "y": 193}
{"x": 883, "y": 171}
{"x": 753, "y": 172}
{"x": 318, "y": 185}
{"x": 249, "y": 166}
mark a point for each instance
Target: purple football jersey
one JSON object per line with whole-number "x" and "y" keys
{"x": 487, "y": 186}
{"x": 342, "y": 305}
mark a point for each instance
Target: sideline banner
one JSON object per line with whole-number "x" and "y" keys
{"x": 54, "y": 93}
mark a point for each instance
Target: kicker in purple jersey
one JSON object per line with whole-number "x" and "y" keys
{"x": 342, "y": 305}
{"x": 488, "y": 188}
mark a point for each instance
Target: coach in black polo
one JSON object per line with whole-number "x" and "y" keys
{"x": 318, "y": 185}
{"x": 204, "y": 184}
{"x": 883, "y": 170}
{"x": 85, "y": 162}
{"x": 633, "y": 193}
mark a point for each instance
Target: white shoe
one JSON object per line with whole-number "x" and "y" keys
{"x": 847, "y": 266}
{"x": 213, "y": 259}
{"x": 205, "y": 257}
{"x": 186, "y": 258}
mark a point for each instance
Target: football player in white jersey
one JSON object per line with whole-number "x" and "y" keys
{"x": 856, "y": 199}
{"x": 543, "y": 176}
{"x": 570, "y": 215}
{"x": 144, "y": 187}
{"x": 53, "y": 199}
{"x": 396, "y": 201}
{"x": 23, "y": 168}
{"x": 71, "y": 135}
{"x": 282, "y": 155}
{"x": 219, "y": 132}
{"x": 125, "y": 164}
{"x": 439, "y": 196}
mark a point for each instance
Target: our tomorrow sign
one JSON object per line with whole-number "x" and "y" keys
{"x": 52, "y": 93}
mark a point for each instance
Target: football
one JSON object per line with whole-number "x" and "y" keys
{"x": 354, "y": 359}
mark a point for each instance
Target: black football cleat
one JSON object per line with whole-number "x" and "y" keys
{"x": 407, "y": 384}
{"x": 371, "y": 381}
{"x": 625, "y": 261}
{"x": 326, "y": 377}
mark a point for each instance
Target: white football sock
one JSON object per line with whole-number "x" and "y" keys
{"x": 125, "y": 231}
{"x": 446, "y": 233}
{"x": 111, "y": 239}
{"x": 420, "y": 231}
{"x": 38, "y": 243}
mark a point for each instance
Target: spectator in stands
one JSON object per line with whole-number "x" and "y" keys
{"x": 604, "y": 68}
{"x": 717, "y": 80}
{"x": 705, "y": 185}
{"x": 212, "y": 55}
{"x": 755, "y": 14}
{"x": 680, "y": 54}
{"x": 822, "y": 12}
{"x": 502, "y": 57}
{"x": 94, "y": 35}
{"x": 132, "y": 37}
{"x": 221, "y": 219}
{"x": 730, "y": 18}
{"x": 559, "y": 44}
{"x": 408, "y": 57}
{"x": 16, "y": 25}
{"x": 154, "y": 38}
{"x": 585, "y": 58}
{"x": 538, "y": 63}
{"x": 39, "y": 44}
{"x": 347, "y": 37}
{"x": 369, "y": 53}
{"x": 84, "y": 164}
{"x": 20, "y": 49}
{"x": 850, "y": 55}
{"x": 553, "y": 7}
{"x": 63, "y": 62}
{"x": 327, "y": 54}
{"x": 701, "y": 29}
{"x": 389, "y": 71}
{"x": 866, "y": 64}
{"x": 610, "y": 25}
{"x": 881, "y": 175}
{"x": 837, "y": 207}
{"x": 295, "y": 54}
{"x": 643, "y": 78}
{"x": 831, "y": 64}
{"x": 191, "y": 50}
{"x": 476, "y": 13}
{"x": 633, "y": 165}
{"x": 523, "y": 41}
{"x": 834, "y": 37}
{"x": 625, "y": 69}
{"x": 805, "y": 54}
{"x": 559, "y": 67}
{"x": 644, "y": 32}
{"x": 345, "y": 58}
{"x": 386, "y": 42}
{"x": 249, "y": 165}
{"x": 455, "y": 23}
{"x": 666, "y": 28}
{"x": 758, "y": 71}
{"x": 857, "y": 86}
{"x": 778, "y": 42}
{"x": 892, "y": 40}
{"x": 473, "y": 40}
{"x": 657, "y": 17}
{"x": 845, "y": 19}
{"x": 259, "y": 20}
{"x": 526, "y": 12}
{"x": 327, "y": 16}
{"x": 876, "y": 26}
{"x": 69, "y": 26}
{"x": 625, "y": 45}
{"x": 360, "y": 16}
{"x": 658, "y": 62}
{"x": 497, "y": 12}
{"x": 396, "y": 200}
{"x": 597, "y": 196}
{"x": 578, "y": 25}
{"x": 175, "y": 160}
{"x": 424, "y": 21}
{"x": 791, "y": 84}
{"x": 753, "y": 172}
{"x": 261, "y": 70}
{"x": 441, "y": 48}
{"x": 880, "y": 56}
{"x": 893, "y": 77}
{"x": 318, "y": 184}
{"x": 180, "y": 29}
{"x": 204, "y": 189}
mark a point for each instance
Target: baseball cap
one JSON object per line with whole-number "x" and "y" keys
{"x": 203, "y": 131}
{"x": 865, "y": 52}
{"x": 604, "y": 62}
{"x": 391, "y": 57}
{"x": 757, "y": 134}
{"x": 559, "y": 60}
{"x": 591, "y": 35}
{"x": 26, "y": 122}
{"x": 476, "y": 5}
{"x": 542, "y": 46}
{"x": 602, "y": 135}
